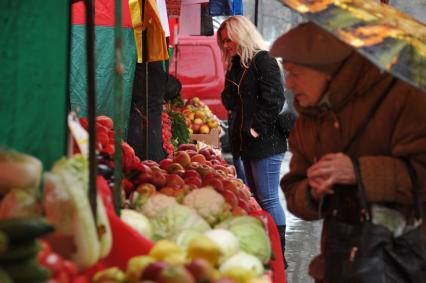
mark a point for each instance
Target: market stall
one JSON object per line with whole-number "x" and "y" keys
{"x": 68, "y": 217}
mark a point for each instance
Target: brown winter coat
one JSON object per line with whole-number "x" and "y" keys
{"x": 397, "y": 130}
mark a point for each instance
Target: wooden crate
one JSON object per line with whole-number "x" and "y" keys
{"x": 211, "y": 138}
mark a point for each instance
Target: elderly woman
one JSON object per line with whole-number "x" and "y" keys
{"x": 334, "y": 90}
{"x": 254, "y": 93}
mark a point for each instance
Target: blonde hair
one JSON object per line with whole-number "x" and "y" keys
{"x": 244, "y": 33}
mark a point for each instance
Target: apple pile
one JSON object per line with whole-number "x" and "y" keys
{"x": 199, "y": 118}
{"x": 188, "y": 169}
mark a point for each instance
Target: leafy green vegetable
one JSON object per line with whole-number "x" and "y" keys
{"x": 253, "y": 240}
{"x": 174, "y": 219}
{"x": 243, "y": 260}
{"x": 180, "y": 133}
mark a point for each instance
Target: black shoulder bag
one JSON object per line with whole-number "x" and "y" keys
{"x": 368, "y": 252}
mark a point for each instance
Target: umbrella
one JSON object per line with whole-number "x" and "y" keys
{"x": 387, "y": 37}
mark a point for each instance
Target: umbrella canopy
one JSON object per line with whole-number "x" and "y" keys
{"x": 386, "y": 36}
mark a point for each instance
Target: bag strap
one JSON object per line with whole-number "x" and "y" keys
{"x": 369, "y": 116}
{"x": 362, "y": 196}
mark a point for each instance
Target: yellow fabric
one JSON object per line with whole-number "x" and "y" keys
{"x": 156, "y": 40}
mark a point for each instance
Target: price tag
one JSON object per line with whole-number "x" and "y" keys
{"x": 79, "y": 133}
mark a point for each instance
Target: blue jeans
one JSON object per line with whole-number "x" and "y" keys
{"x": 263, "y": 178}
{"x": 239, "y": 168}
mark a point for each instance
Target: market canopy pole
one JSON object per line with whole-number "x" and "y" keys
{"x": 118, "y": 106}
{"x": 91, "y": 103}
{"x": 256, "y": 11}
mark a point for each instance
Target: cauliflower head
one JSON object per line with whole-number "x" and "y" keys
{"x": 208, "y": 203}
{"x": 157, "y": 203}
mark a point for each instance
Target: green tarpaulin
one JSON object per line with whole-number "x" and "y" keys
{"x": 33, "y": 50}
{"x": 104, "y": 50}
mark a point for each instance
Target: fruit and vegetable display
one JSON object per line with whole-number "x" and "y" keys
{"x": 202, "y": 260}
{"x": 199, "y": 118}
{"x": 198, "y": 217}
{"x": 24, "y": 257}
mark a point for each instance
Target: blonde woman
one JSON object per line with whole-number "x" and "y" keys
{"x": 254, "y": 95}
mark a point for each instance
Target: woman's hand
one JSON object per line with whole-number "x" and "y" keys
{"x": 253, "y": 133}
{"x": 331, "y": 169}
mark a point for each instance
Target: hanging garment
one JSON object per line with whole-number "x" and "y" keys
{"x": 162, "y": 9}
{"x": 155, "y": 37}
{"x": 226, "y": 7}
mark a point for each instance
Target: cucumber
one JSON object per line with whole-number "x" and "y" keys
{"x": 27, "y": 271}
{"x": 23, "y": 229}
{"x": 3, "y": 242}
{"x": 4, "y": 277}
{"x": 19, "y": 252}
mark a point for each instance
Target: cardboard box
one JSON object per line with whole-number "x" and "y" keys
{"x": 211, "y": 138}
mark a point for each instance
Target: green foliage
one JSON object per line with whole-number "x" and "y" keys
{"x": 180, "y": 133}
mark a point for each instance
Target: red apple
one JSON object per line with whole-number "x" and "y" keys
{"x": 238, "y": 211}
{"x": 193, "y": 166}
{"x": 230, "y": 197}
{"x": 174, "y": 180}
{"x": 204, "y": 169}
{"x": 245, "y": 205}
{"x": 175, "y": 274}
{"x": 158, "y": 179}
{"x": 187, "y": 146}
{"x": 144, "y": 177}
{"x": 191, "y": 173}
{"x": 215, "y": 183}
{"x": 198, "y": 158}
{"x": 193, "y": 180}
{"x": 152, "y": 271}
{"x": 146, "y": 189}
{"x": 168, "y": 191}
{"x": 201, "y": 269}
{"x": 191, "y": 152}
{"x": 175, "y": 168}
{"x": 204, "y": 151}
{"x": 150, "y": 163}
{"x": 195, "y": 128}
{"x": 165, "y": 163}
{"x": 182, "y": 157}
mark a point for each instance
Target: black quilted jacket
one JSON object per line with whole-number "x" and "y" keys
{"x": 255, "y": 96}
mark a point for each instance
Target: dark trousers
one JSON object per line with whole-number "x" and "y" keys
{"x": 145, "y": 127}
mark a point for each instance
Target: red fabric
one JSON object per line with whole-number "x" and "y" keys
{"x": 277, "y": 263}
{"x": 104, "y": 13}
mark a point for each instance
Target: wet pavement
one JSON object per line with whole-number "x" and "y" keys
{"x": 302, "y": 241}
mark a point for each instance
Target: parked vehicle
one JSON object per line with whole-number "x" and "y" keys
{"x": 198, "y": 65}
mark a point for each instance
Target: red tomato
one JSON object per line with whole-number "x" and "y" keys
{"x": 105, "y": 121}
{"x": 128, "y": 150}
{"x": 109, "y": 149}
{"x": 102, "y": 138}
{"x": 53, "y": 262}
{"x": 71, "y": 269}
{"x": 62, "y": 276}
{"x": 44, "y": 251}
